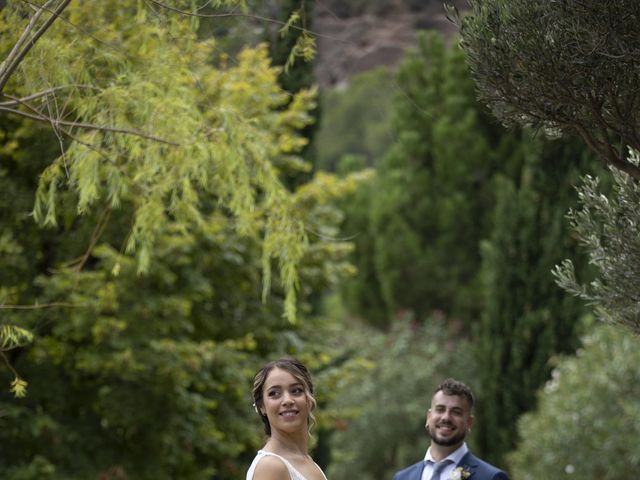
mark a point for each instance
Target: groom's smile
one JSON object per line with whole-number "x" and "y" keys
{"x": 445, "y": 428}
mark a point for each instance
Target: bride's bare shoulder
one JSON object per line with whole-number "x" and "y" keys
{"x": 271, "y": 468}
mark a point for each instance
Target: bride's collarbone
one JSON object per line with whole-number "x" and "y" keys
{"x": 307, "y": 467}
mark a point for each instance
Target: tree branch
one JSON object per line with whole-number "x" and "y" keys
{"x": 244, "y": 15}
{"x": 95, "y": 236}
{"x": 89, "y": 126}
{"x": 23, "y": 38}
{"x": 18, "y": 101}
{"x": 40, "y": 306}
{"x": 8, "y": 364}
{"x": 623, "y": 166}
{"x": 23, "y": 45}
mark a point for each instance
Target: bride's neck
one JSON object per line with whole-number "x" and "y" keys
{"x": 287, "y": 445}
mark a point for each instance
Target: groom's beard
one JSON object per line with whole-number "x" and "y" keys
{"x": 446, "y": 442}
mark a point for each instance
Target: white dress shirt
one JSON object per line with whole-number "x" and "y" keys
{"x": 455, "y": 458}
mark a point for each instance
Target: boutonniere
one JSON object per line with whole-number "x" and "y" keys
{"x": 460, "y": 473}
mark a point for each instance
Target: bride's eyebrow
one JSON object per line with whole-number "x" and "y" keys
{"x": 296, "y": 384}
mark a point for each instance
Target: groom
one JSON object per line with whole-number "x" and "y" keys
{"x": 448, "y": 457}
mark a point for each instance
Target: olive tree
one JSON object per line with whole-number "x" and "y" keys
{"x": 572, "y": 67}
{"x": 607, "y": 226}
{"x": 564, "y": 67}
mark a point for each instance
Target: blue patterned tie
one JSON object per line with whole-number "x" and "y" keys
{"x": 438, "y": 467}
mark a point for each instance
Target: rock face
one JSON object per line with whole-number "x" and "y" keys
{"x": 354, "y": 37}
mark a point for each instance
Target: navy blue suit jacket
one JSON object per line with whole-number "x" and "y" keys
{"x": 479, "y": 469}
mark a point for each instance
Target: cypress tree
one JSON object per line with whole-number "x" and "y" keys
{"x": 527, "y": 319}
{"x": 431, "y": 199}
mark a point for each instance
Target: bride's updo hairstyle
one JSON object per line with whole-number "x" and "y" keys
{"x": 300, "y": 373}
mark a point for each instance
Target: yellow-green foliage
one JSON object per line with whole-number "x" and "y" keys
{"x": 165, "y": 116}
{"x": 12, "y": 336}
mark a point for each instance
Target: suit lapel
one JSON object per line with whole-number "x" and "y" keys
{"x": 470, "y": 463}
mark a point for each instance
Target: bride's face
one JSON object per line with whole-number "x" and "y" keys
{"x": 285, "y": 402}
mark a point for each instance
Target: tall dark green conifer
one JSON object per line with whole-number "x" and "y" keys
{"x": 431, "y": 201}
{"x": 527, "y": 318}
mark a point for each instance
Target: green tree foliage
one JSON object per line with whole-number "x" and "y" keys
{"x": 151, "y": 120}
{"x": 24, "y": 250}
{"x": 354, "y": 125}
{"x": 526, "y": 319}
{"x": 381, "y": 413}
{"x": 572, "y": 68}
{"x": 568, "y": 67}
{"x": 607, "y": 227}
{"x": 586, "y": 425}
{"x": 452, "y": 180}
{"x": 353, "y": 135}
{"x": 298, "y": 75}
{"x": 361, "y": 292}
{"x": 152, "y": 126}
{"x": 431, "y": 199}
{"x": 178, "y": 344}
{"x": 149, "y": 376}
{"x": 287, "y": 49}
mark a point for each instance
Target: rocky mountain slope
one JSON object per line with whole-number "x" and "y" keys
{"x": 354, "y": 36}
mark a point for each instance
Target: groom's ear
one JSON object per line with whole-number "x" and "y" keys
{"x": 470, "y": 421}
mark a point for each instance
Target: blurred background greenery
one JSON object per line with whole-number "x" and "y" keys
{"x": 432, "y": 235}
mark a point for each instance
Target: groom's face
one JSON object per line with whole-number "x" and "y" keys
{"x": 448, "y": 419}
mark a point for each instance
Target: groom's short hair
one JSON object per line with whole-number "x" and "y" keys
{"x": 451, "y": 386}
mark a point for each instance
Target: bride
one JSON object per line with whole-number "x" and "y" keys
{"x": 283, "y": 397}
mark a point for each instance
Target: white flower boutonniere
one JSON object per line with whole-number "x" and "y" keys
{"x": 460, "y": 473}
